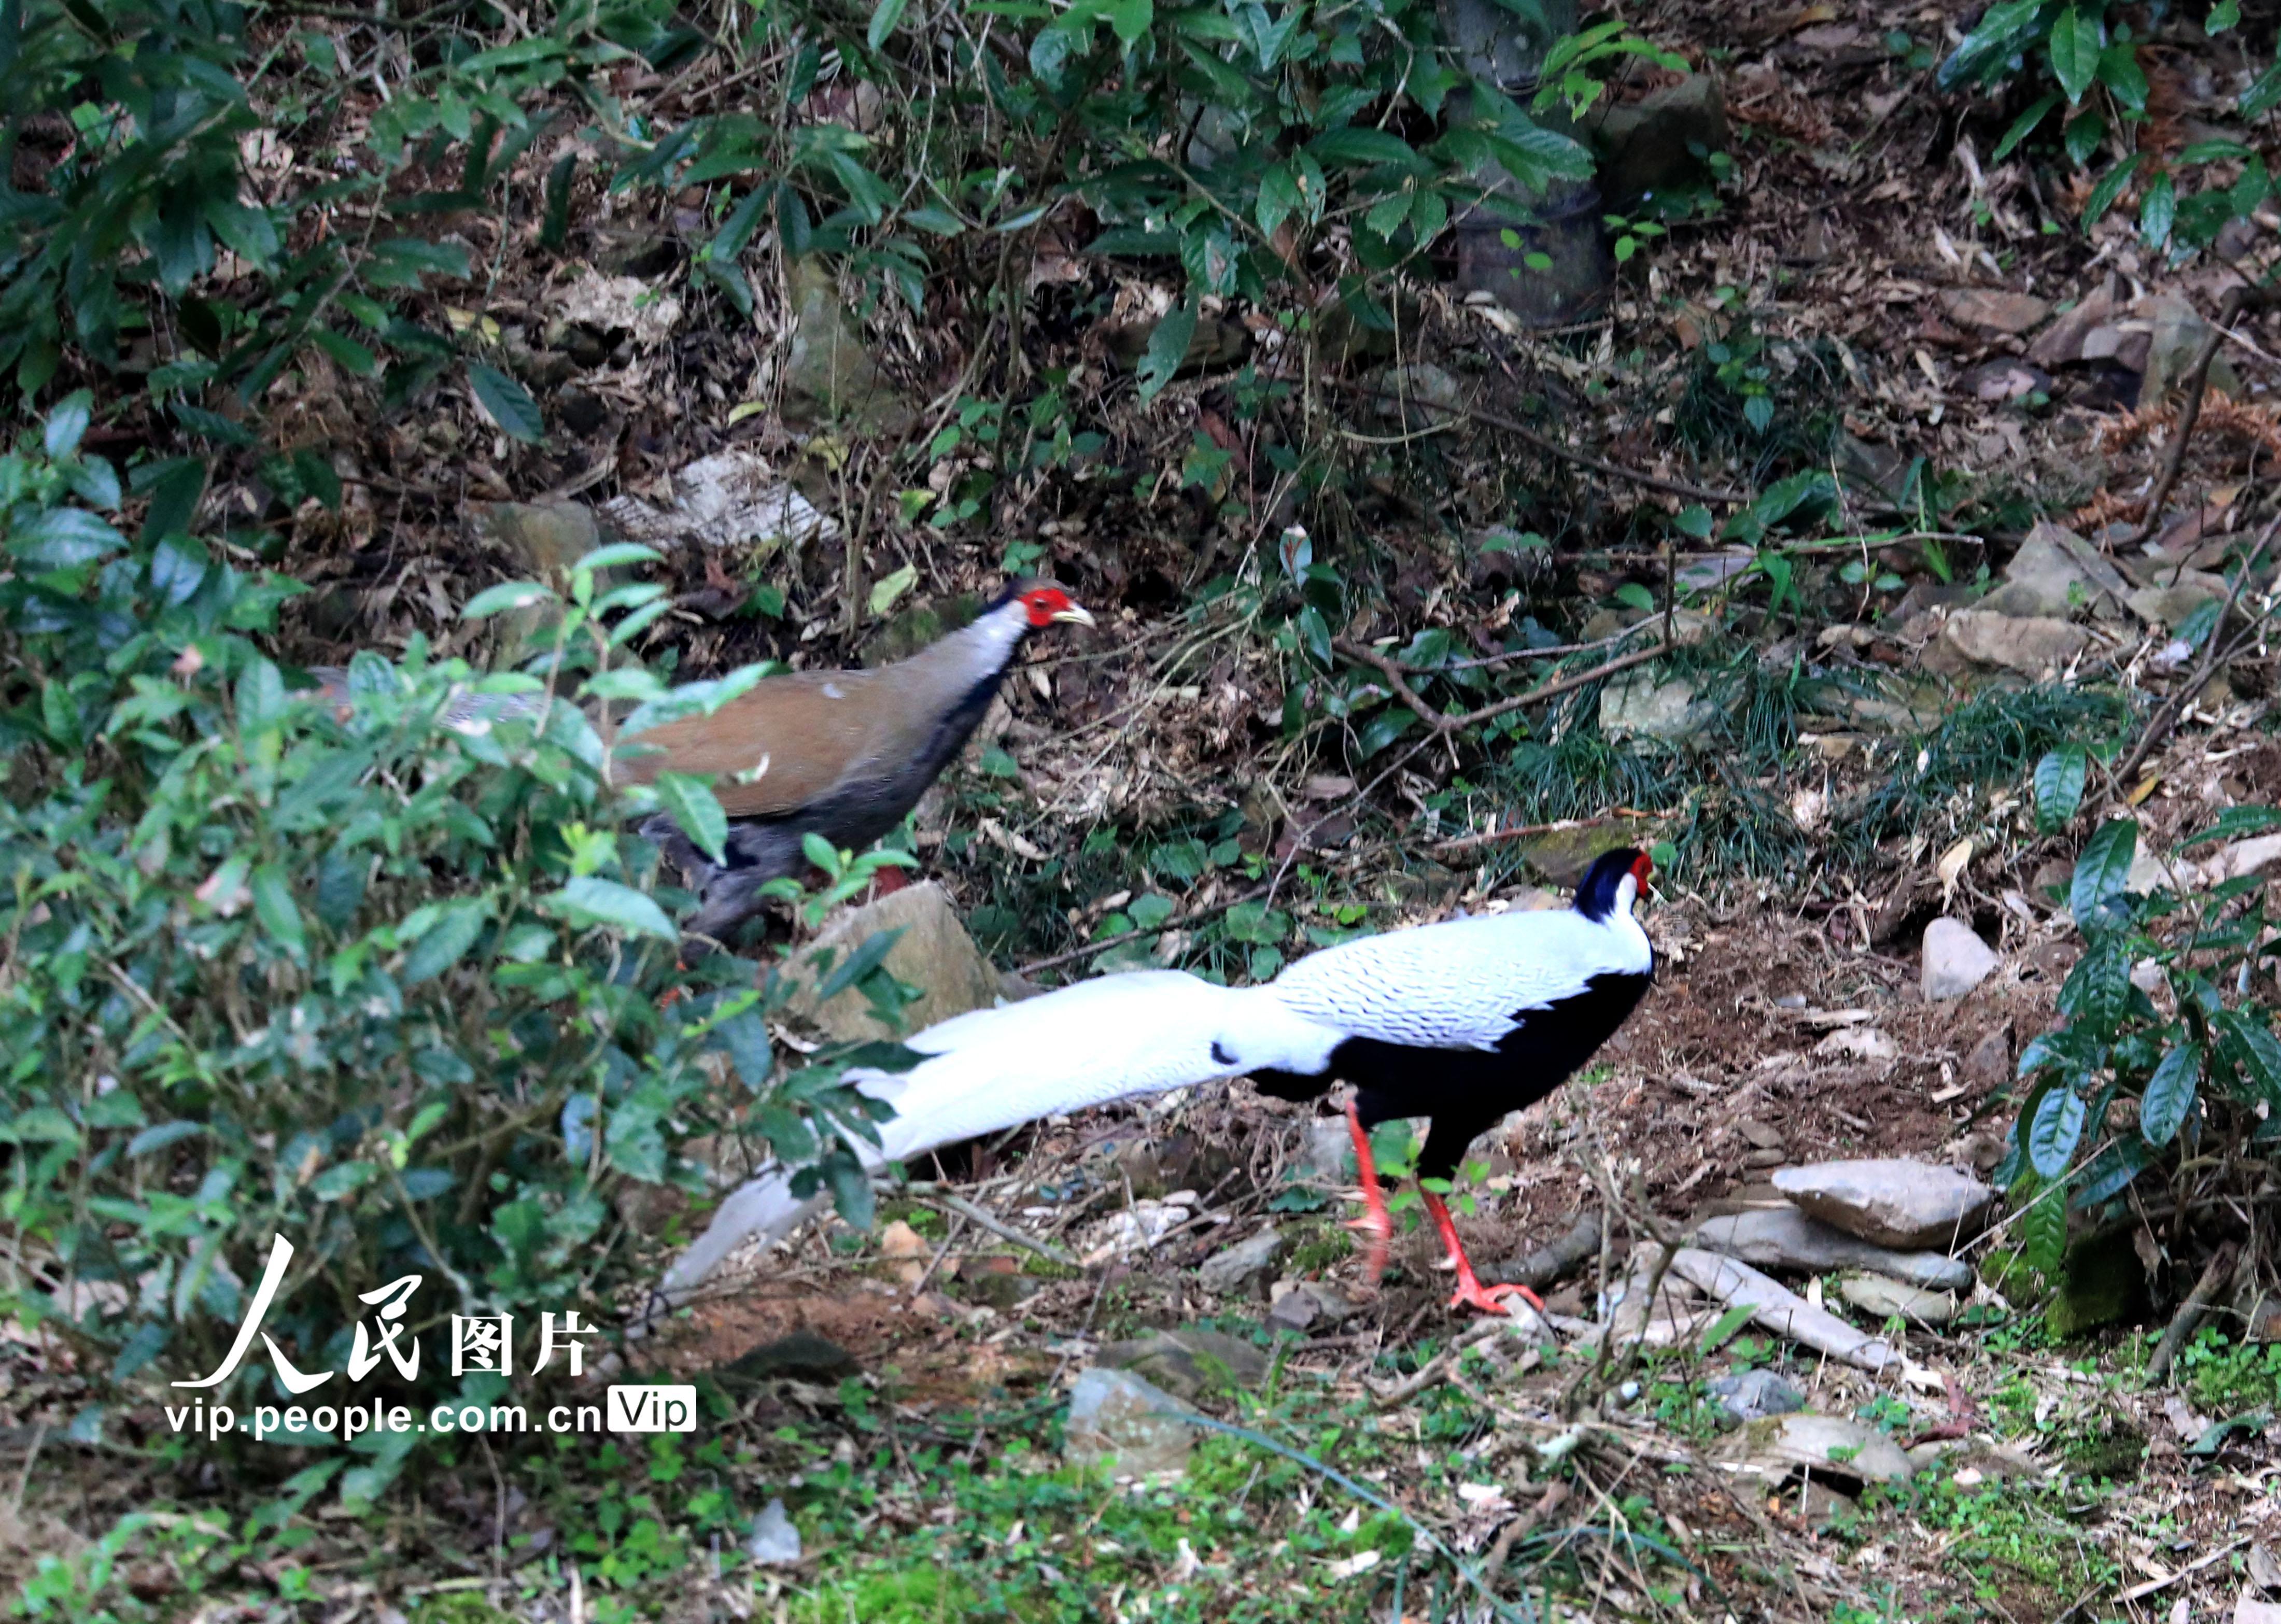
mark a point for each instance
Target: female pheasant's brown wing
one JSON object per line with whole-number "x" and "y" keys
{"x": 786, "y": 745}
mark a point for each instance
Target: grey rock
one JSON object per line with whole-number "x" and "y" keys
{"x": 1309, "y": 1303}
{"x": 542, "y": 540}
{"x": 1892, "y": 1200}
{"x": 1329, "y": 1153}
{"x": 2175, "y": 333}
{"x": 1189, "y": 1361}
{"x": 1955, "y": 960}
{"x": 934, "y": 954}
{"x": 1785, "y": 1238}
{"x": 1242, "y": 1266}
{"x": 1989, "y": 1062}
{"x": 2058, "y": 574}
{"x": 1662, "y": 140}
{"x": 773, "y": 1542}
{"x": 1420, "y": 395}
{"x": 1873, "y": 1294}
{"x": 1754, "y": 1395}
{"x": 2169, "y": 606}
{"x": 1994, "y": 310}
{"x": 828, "y": 372}
{"x": 1825, "y": 1445}
{"x": 1127, "y": 1424}
{"x": 2037, "y": 647}
{"x": 734, "y": 498}
{"x": 1637, "y": 705}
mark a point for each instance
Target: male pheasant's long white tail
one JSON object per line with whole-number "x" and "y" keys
{"x": 1114, "y": 1037}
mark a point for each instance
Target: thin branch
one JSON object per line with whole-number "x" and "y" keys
{"x": 2159, "y": 728}
{"x": 2196, "y": 386}
{"x": 1545, "y": 442}
{"x": 1446, "y": 725}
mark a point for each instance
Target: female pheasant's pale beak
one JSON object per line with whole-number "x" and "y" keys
{"x": 1075, "y": 613}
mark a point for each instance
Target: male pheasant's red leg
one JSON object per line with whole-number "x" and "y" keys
{"x": 1471, "y": 1292}
{"x": 1375, "y": 1222}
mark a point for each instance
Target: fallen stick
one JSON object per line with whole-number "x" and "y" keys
{"x": 1780, "y": 1310}
{"x": 2190, "y": 1314}
{"x": 1548, "y": 1264}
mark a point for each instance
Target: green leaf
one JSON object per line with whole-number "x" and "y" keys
{"x": 2103, "y": 195}
{"x": 697, "y": 810}
{"x": 2169, "y": 1095}
{"x": 867, "y": 957}
{"x": 2059, "y": 779}
{"x": 1168, "y": 347}
{"x": 884, "y": 16}
{"x": 2074, "y": 47}
{"x": 2262, "y": 96}
{"x": 2254, "y": 1052}
{"x": 2057, "y": 1129}
{"x": 2043, "y": 1234}
{"x": 590, "y": 900}
{"x": 2022, "y": 127}
{"x": 1723, "y": 1329}
{"x": 2158, "y": 210}
{"x": 67, "y": 425}
{"x": 509, "y": 404}
{"x": 2224, "y": 15}
{"x": 507, "y": 595}
{"x": 2234, "y": 822}
{"x": 274, "y": 905}
{"x": 444, "y": 943}
{"x": 2103, "y": 870}
{"x": 164, "y": 1134}
{"x": 2082, "y": 135}
{"x": 890, "y": 589}
{"x": 616, "y": 555}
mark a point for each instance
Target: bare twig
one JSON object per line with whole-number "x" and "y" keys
{"x": 1522, "y": 831}
{"x": 1546, "y": 443}
{"x": 2197, "y": 385}
{"x": 1174, "y": 924}
{"x": 2216, "y": 653}
{"x": 1446, "y": 725}
{"x": 2190, "y": 1313}
{"x": 943, "y": 1201}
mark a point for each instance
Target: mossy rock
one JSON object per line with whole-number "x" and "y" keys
{"x": 2103, "y": 1283}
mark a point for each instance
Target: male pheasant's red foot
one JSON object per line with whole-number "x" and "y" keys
{"x": 1471, "y": 1292}
{"x": 1376, "y": 1222}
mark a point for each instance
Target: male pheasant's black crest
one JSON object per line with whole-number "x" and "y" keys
{"x": 1596, "y": 894}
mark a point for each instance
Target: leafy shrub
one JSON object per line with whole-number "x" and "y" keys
{"x": 2087, "y": 51}
{"x": 381, "y": 985}
{"x": 2201, "y": 1078}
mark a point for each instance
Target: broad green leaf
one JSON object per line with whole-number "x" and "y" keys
{"x": 508, "y": 402}
{"x": 507, "y": 595}
{"x": 2103, "y": 870}
{"x": 2057, "y": 1129}
{"x": 867, "y": 957}
{"x": 617, "y": 555}
{"x": 2074, "y": 47}
{"x": 444, "y": 943}
{"x": 2234, "y": 822}
{"x": 2103, "y": 195}
{"x": 2108, "y": 1172}
{"x": 2158, "y": 210}
{"x": 2022, "y": 127}
{"x": 1168, "y": 347}
{"x": 274, "y": 905}
{"x": 2059, "y": 779}
{"x": 2169, "y": 1095}
{"x": 67, "y": 425}
{"x": 885, "y": 15}
{"x": 2043, "y": 1234}
{"x": 697, "y": 810}
{"x": 165, "y": 1133}
{"x": 590, "y": 900}
{"x": 890, "y": 589}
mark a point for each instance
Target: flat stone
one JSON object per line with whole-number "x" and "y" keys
{"x": 1989, "y": 1062}
{"x": 1858, "y": 1043}
{"x": 1329, "y": 1152}
{"x": 2034, "y": 646}
{"x": 2062, "y": 344}
{"x": 2176, "y": 331}
{"x": 2006, "y": 378}
{"x": 1242, "y": 1266}
{"x": 934, "y": 954}
{"x": 1825, "y": 1445}
{"x": 1873, "y": 1294}
{"x": 2056, "y": 573}
{"x": 1656, "y": 143}
{"x": 1125, "y": 1424}
{"x": 1309, "y": 1303}
{"x": 773, "y": 1542}
{"x": 1955, "y": 960}
{"x": 1893, "y": 1201}
{"x": 1189, "y": 1361}
{"x": 1637, "y": 705}
{"x": 1994, "y": 310}
{"x": 1754, "y": 1395}
{"x": 2169, "y": 606}
{"x": 1785, "y": 1238}
{"x": 828, "y": 373}
{"x": 2251, "y": 856}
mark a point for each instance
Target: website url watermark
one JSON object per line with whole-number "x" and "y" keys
{"x": 624, "y": 1409}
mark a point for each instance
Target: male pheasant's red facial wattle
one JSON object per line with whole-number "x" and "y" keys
{"x": 1049, "y": 604}
{"x": 1643, "y": 872}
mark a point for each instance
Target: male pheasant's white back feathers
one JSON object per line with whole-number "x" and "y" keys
{"x": 1455, "y": 984}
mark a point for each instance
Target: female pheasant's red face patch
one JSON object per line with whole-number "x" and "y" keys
{"x": 1049, "y": 604}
